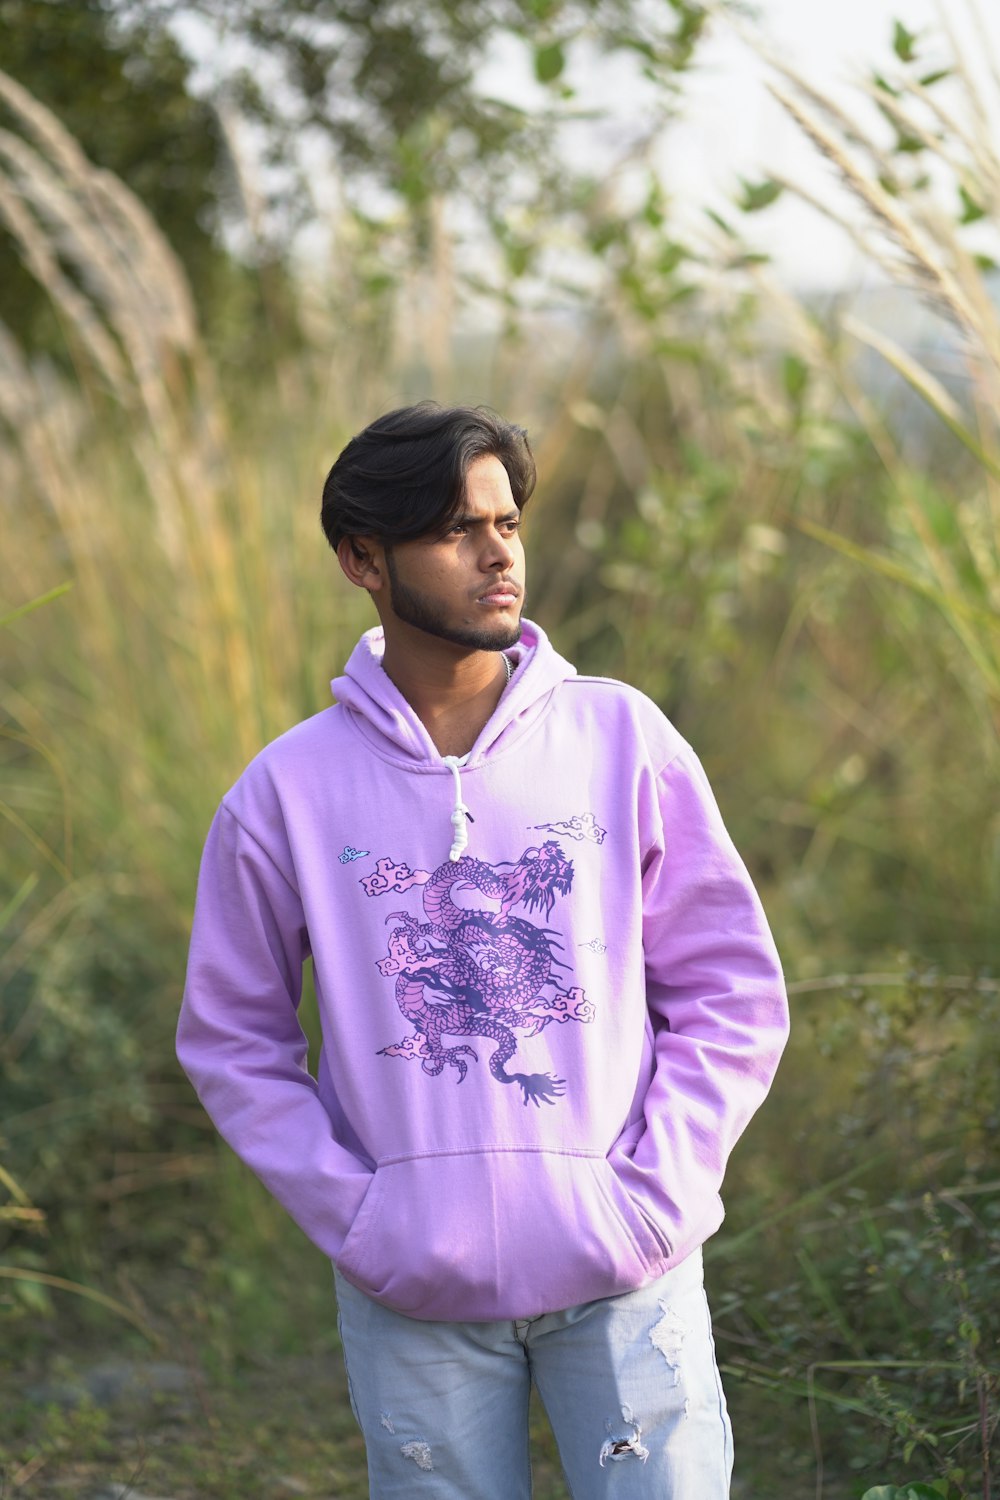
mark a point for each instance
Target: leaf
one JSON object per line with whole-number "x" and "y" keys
{"x": 794, "y": 377}
{"x": 916, "y": 1491}
{"x": 652, "y": 210}
{"x": 670, "y": 258}
{"x": 604, "y": 234}
{"x": 688, "y": 353}
{"x": 971, "y": 210}
{"x": 24, "y": 609}
{"x": 969, "y": 1332}
{"x": 903, "y": 42}
{"x": 12, "y": 908}
{"x": 908, "y": 145}
{"x": 549, "y": 62}
{"x": 759, "y": 195}
{"x": 929, "y": 79}
{"x": 682, "y": 293}
{"x": 518, "y": 257}
{"x": 638, "y": 44}
{"x": 722, "y": 224}
{"x": 34, "y": 1297}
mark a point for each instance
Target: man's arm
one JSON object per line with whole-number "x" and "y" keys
{"x": 240, "y": 1042}
{"x": 717, "y": 1002}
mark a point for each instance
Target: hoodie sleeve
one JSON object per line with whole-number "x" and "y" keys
{"x": 718, "y": 1007}
{"x": 240, "y": 1042}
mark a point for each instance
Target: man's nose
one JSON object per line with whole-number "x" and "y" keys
{"x": 498, "y": 552}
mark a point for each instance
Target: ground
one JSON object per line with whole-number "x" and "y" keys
{"x": 280, "y": 1430}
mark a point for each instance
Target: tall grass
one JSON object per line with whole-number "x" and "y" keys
{"x": 910, "y": 1330}
{"x": 688, "y": 470}
{"x": 194, "y": 637}
{"x": 200, "y": 623}
{"x": 915, "y": 170}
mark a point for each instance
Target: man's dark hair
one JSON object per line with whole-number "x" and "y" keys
{"x": 404, "y": 475}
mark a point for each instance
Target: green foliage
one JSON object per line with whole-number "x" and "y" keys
{"x": 759, "y": 195}
{"x": 66, "y": 1434}
{"x": 550, "y": 60}
{"x": 906, "y": 1492}
{"x": 866, "y": 1305}
{"x": 946, "y": 551}
{"x": 727, "y": 521}
{"x": 904, "y": 43}
{"x": 393, "y": 89}
{"x": 972, "y": 211}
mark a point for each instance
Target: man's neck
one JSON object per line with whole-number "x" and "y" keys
{"x": 452, "y": 692}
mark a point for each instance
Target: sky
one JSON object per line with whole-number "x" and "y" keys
{"x": 732, "y": 128}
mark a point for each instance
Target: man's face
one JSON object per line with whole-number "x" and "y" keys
{"x": 466, "y": 583}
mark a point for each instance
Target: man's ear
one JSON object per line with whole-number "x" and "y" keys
{"x": 361, "y": 558}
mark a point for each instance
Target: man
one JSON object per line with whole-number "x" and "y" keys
{"x": 549, "y": 997}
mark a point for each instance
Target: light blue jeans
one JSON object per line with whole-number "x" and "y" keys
{"x": 630, "y": 1385}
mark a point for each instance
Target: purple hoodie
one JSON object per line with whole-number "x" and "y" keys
{"x": 539, "y": 1050}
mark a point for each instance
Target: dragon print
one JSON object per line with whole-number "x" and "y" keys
{"x": 479, "y": 971}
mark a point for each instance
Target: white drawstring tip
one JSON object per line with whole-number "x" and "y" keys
{"x": 461, "y": 839}
{"x": 460, "y": 827}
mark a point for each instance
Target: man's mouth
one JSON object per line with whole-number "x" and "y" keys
{"x": 502, "y": 593}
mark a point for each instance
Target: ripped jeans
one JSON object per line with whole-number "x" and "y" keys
{"x": 630, "y": 1385}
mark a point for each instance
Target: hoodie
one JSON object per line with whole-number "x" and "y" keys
{"x": 549, "y": 998}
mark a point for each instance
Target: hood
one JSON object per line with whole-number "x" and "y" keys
{"x": 386, "y": 719}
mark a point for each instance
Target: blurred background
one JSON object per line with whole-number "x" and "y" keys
{"x": 736, "y": 270}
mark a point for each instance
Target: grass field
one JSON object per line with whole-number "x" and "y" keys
{"x": 728, "y": 516}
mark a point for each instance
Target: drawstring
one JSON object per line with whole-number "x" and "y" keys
{"x": 459, "y": 812}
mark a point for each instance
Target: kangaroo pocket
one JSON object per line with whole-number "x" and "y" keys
{"x": 497, "y": 1234}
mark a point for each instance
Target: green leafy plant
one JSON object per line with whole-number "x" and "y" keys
{"x": 907, "y": 1492}
{"x": 907, "y": 203}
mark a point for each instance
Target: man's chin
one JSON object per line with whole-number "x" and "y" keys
{"x": 507, "y": 633}
{"x": 498, "y": 639}
{"x": 488, "y": 635}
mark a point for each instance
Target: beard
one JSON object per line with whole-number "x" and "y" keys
{"x": 415, "y": 609}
